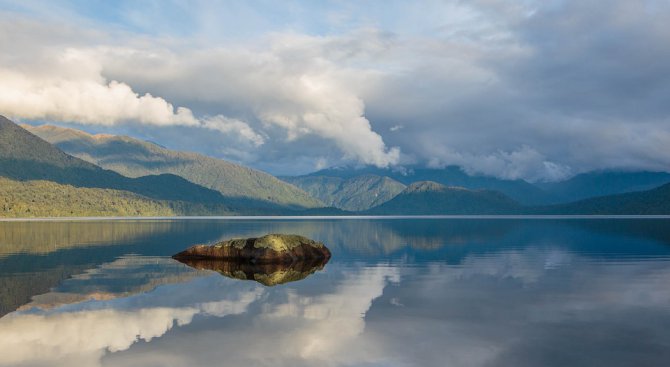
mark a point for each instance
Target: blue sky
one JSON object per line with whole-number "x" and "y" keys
{"x": 221, "y": 22}
{"x": 539, "y": 90}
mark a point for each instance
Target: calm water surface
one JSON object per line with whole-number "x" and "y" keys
{"x": 397, "y": 292}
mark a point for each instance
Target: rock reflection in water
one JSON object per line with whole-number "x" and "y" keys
{"x": 266, "y": 274}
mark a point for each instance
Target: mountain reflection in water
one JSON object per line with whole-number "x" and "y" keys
{"x": 429, "y": 292}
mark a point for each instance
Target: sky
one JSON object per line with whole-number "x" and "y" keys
{"x": 534, "y": 90}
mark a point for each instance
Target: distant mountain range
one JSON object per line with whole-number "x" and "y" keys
{"x": 603, "y": 183}
{"x": 55, "y": 171}
{"x": 579, "y": 187}
{"x": 519, "y": 190}
{"x": 354, "y": 194}
{"x": 650, "y": 202}
{"x": 426, "y": 197}
{"x": 430, "y": 198}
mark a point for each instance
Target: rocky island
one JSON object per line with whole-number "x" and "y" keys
{"x": 269, "y": 249}
{"x": 270, "y": 260}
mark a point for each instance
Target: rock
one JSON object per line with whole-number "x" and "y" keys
{"x": 269, "y": 249}
{"x": 266, "y": 274}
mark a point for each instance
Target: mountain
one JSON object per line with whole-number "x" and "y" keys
{"x": 24, "y": 157}
{"x": 38, "y": 179}
{"x": 21, "y": 199}
{"x": 519, "y": 190}
{"x": 426, "y": 197}
{"x": 130, "y": 157}
{"x": 603, "y": 183}
{"x": 433, "y": 198}
{"x": 650, "y": 202}
{"x": 353, "y": 194}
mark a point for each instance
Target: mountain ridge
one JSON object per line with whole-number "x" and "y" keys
{"x": 655, "y": 201}
{"x": 604, "y": 183}
{"x": 24, "y": 157}
{"x": 133, "y": 158}
{"x": 428, "y": 197}
{"x": 519, "y": 190}
{"x": 353, "y": 194}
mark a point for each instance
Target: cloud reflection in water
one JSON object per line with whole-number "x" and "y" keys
{"x": 552, "y": 301}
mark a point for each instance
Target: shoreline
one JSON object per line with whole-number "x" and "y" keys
{"x": 336, "y": 217}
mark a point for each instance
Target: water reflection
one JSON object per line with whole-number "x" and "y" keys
{"x": 80, "y": 334}
{"x": 37, "y": 256}
{"x": 266, "y": 274}
{"x": 520, "y": 293}
{"x": 48, "y": 237}
{"x": 507, "y": 309}
{"x": 123, "y": 277}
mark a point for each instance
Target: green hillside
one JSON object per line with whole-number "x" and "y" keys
{"x": 23, "y": 199}
{"x": 130, "y": 157}
{"x": 603, "y": 183}
{"x": 24, "y": 156}
{"x": 428, "y": 198}
{"x": 651, "y": 202}
{"x": 353, "y": 194}
{"x": 49, "y": 199}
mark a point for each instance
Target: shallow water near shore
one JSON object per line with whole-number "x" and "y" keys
{"x": 396, "y": 292}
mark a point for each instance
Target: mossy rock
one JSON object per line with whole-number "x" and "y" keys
{"x": 269, "y": 249}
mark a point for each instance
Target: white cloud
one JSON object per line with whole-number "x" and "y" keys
{"x": 294, "y": 86}
{"x": 286, "y": 87}
{"x": 229, "y": 125}
{"x": 85, "y": 102}
{"x": 321, "y": 163}
{"x": 523, "y": 163}
{"x": 74, "y": 90}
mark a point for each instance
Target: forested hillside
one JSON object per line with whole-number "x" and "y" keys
{"x": 24, "y": 156}
{"x": 353, "y": 194}
{"x": 131, "y": 157}
{"x": 50, "y": 199}
{"x": 428, "y": 198}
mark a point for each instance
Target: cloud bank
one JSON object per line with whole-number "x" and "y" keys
{"x": 531, "y": 90}
{"x": 76, "y": 91}
{"x": 278, "y": 91}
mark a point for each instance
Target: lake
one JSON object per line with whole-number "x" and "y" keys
{"x": 397, "y": 292}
